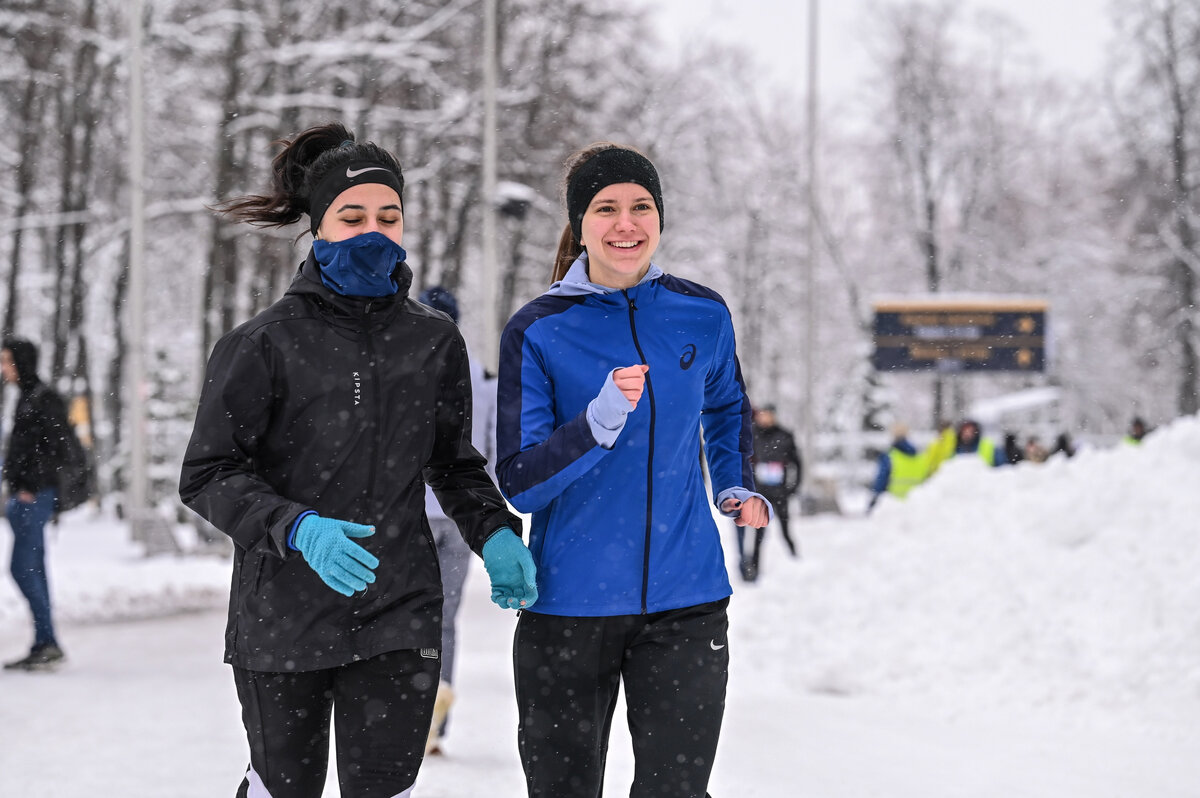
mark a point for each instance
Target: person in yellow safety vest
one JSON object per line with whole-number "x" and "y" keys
{"x": 901, "y": 467}
{"x": 971, "y": 442}
{"x": 942, "y": 448}
{"x": 1137, "y": 431}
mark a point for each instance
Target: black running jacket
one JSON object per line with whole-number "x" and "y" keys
{"x": 346, "y": 406}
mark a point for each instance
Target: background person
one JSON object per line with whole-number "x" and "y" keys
{"x": 35, "y": 450}
{"x": 320, "y": 421}
{"x": 777, "y": 475}
{"x": 1013, "y": 451}
{"x": 901, "y": 468}
{"x": 971, "y": 441}
{"x": 605, "y": 382}
{"x": 943, "y": 446}
{"x": 1064, "y": 445}
{"x": 1034, "y": 451}
{"x": 1137, "y": 431}
{"x": 453, "y": 554}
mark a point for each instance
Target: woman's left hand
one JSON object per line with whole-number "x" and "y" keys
{"x": 753, "y": 513}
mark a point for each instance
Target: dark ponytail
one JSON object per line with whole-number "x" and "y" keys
{"x": 297, "y": 169}
{"x": 568, "y": 251}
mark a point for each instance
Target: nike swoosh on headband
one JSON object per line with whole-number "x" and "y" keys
{"x": 352, "y": 173}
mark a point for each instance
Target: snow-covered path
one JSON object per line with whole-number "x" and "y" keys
{"x": 146, "y": 708}
{"x": 1028, "y": 632}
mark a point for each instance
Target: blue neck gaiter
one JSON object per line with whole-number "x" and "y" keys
{"x": 360, "y": 266}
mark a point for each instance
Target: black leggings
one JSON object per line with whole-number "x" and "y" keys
{"x": 780, "y": 505}
{"x": 674, "y": 666}
{"x": 381, "y": 708}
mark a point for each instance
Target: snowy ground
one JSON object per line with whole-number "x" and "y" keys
{"x": 1031, "y": 631}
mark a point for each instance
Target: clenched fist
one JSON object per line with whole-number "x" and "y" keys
{"x": 632, "y": 382}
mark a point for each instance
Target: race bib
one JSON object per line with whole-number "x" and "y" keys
{"x": 769, "y": 473}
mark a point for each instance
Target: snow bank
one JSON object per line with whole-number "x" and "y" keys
{"x": 1072, "y": 583}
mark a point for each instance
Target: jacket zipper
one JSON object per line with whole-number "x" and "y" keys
{"x": 376, "y": 411}
{"x": 649, "y": 455}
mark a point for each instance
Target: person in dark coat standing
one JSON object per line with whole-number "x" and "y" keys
{"x": 35, "y": 449}
{"x": 320, "y": 422}
{"x": 777, "y": 473}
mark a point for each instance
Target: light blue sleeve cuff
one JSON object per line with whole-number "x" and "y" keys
{"x": 741, "y": 494}
{"x": 607, "y": 412}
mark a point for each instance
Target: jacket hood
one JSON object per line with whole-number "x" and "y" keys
{"x": 576, "y": 282}
{"x": 25, "y": 358}
{"x": 350, "y": 311}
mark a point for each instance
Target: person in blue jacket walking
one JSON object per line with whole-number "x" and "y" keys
{"x": 609, "y": 383}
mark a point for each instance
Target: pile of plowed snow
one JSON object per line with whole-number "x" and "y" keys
{"x": 1065, "y": 583}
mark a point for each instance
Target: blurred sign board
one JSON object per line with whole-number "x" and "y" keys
{"x": 960, "y": 335}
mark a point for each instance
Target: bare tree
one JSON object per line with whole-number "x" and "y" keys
{"x": 954, "y": 114}
{"x": 1157, "y": 100}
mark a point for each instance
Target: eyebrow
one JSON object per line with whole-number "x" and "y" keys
{"x": 646, "y": 198}
{"x": 353, "y": 207}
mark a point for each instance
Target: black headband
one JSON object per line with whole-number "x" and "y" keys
{"x": 607, "y": 168}
{"x": 352, "y": 174}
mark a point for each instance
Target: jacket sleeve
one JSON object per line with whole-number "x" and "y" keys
{"x": 37, "y": 450}
{"x": 795, "y": 471}
{"x": 883, "y": 475}
{"x": 536, "y": 460}
{"x": 726, "y": 416}
{"x": 456, "y": 471}
{"x": 218, "y": 479}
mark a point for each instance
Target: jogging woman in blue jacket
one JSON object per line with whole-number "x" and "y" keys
{"x": 609, "y": 383}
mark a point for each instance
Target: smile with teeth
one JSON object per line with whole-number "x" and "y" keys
{"x": 624, "y": 244}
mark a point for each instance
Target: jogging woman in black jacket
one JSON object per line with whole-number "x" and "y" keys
{"x": 320, "y": 421}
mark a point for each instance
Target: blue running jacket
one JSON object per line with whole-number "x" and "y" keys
{"x": 627, "y": 529}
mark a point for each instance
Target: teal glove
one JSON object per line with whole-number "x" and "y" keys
{"x": 340, "y": 562}
{"x": 510, "y": 567}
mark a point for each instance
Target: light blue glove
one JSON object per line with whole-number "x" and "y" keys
{"x": 510, "y": 567}
{"x": 340, "y": 562}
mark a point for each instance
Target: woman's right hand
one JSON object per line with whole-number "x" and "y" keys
{"x": 631, "y": 380}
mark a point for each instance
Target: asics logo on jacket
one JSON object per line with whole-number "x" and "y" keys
{"x": 688, "y": 357}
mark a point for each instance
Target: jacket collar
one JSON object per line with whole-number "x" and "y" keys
{"x": 576, "y": 283}
{"x": 350, "y": 309}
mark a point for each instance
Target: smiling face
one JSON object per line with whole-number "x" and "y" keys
{"x": 365, "y": 208}
{"x": 620, "y": 234}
